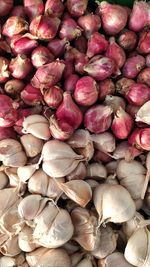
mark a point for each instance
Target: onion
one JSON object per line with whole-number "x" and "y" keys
{"x": 140, "y": 10}
{"x": 123, "y": 85}
{"x": 148, "y": 60}
{"x": 33, "y": 8}
{"x": 8, "y": 112}
{"x": 23, "y": 45}
{"x": 6, "y": 7}
{"x": 14, "y": 25}
{"x": 140, "y": 138}
{"x": 115, "y": 102}
{"x": 133, "y": 66}
{"x": 81, "y": 44}
{"x": 138, "y": 94}
{"x": 106, "y": 87}
{"x": 20, "y": 67}
{"x": 114, "y": 17}
{"x": 60, "y": 130}
{"x": 55, "y": 8}
{"x": 31, "y": 95}
{"x": 57, "y": 46}
{"x": 53, "y": 96}
{"x": 18, "y": 11}
{"x": 144, "y": 43}
{"x": 77, "y": 7}
{"x": 144, "y": 76}
{"x": 90, "y": 23}
{"x": 127, "y": 40}
{"x": 96, "y": 44}
{"x": 70, "y": 82}
{"x": 69, "y": 29}
{"x": 115, "y": 52}
{"x": 41, "y": 56}
{"x": 6, "y": 133}
{"x": 13, "y": 87}
{"x": 4, "y": 72}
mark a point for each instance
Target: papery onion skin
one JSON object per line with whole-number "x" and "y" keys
{"x": 133, "y": 66}
{"x": 90, "y": 23}
{"x": 81, "y": 44}
{"x": 77, "y": 7}
{"x": 31, "y": 95}
{"x": 24, "y": 45}
{"x": 127, "y": 40}
{"x": 33, "y": 8}
{"x": 144, "y": 76}
{"x": 106, "y": 87}
{"x": 14, "y": 25}
{"x": 53, "y": 96}
{"x": 41, "y": 56}
{"x": 98, "y": 118}
{"x": 55, "y": 8}
{"x": 138, "y": 94}
{"x": 20, "y": 66}
{"x": 4, "y": 72}
{"x": 69, "y": 29}
{"x": 97, "y": 44}
{"x": 8, "y": 113}
{"x": 148, "y": 60}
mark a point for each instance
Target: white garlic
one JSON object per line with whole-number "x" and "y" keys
{"x": 32, "y": 145}
{"x": 3, "y": 180}
{"x": 137, "y": 251}
{"x": 38, "y": 126}
{"x": 85, "y": 263}
{"x": 131, "y": 175}
{"x": 113, "y": 203}
{"x": 115, "y": 259}
{"x": 104, "y": 142}
{"x": 96, "y": 171}
{"x": 132, "y": 225}
{"x": 25, "y": 172}
{"x": 25, "y": 239}
{"x": 10, "y": 247}
{"x": 43, "y": 257}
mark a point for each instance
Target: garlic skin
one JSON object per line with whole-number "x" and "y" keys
{"x": 85, "y": 263}
{"x": 59, "y": 159}
{"x": 113, "y": 260}
{"x": 104, "y": 142}
{"x": 37, "y": 125}
{"x": 8, "y": 198}
{"x": 79, "y": 172}
{"x": 50, "y": 230}
{"x": 25, "y": 172}
{"x": 96, "y": 171}
{"x": 85, "y": 231}
{"x": 111, "y": 166}
{"x": 3, "y": 180}
{"x": 10, "y": 247}
{"x": 137, "y": 250}
{"x": 42, "y": 184}
{"x": 31, "y": 144}
{"x": 131, "y": 175}
{"x": 43, "y": 257}
{"x": 76, "y": 258}
{"x": 108, "y": 243}
{"x": 25, "y": 240}
{"x": 113, "y": 203}
{"x": 17, "y": 261}
{"x": 132, "y": 225}
{"x": 14, "y": 180}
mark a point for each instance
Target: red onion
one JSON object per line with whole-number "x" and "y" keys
{"x": 100, "y": 156}
{"x": 70, "y": 53}
{"x": 5, "y": 7}
{"x": 68, "y": 112}
{"x": 106, "y": 87}
{"x": 44, "y": 27}
{"x": 4, "y": 48}
{"x": 144, "y": 76}
{"x": 4, "y": 72}
{"x": 69, "y": 29}
{"x": 139, "y": 16}
{"x": 123, "y": 85}
{"x": 114, "y": 17}
{"x": 86, "y": 93}
{"x": 81, "y": 44}
{"x": 8, "y": 113}
{"x": 80, "y": 61}
{"x": 53, "y": 96}
{"x": 133, "y": 66}
{"x": 96, "y": 44}
{"x": 57, "y": 46}
{"x": 55, "y": 8}
{"x": 33, "y": 8}
{"x": 122, "y": 124}
{"x": 101, "y": 68}
{"x": 98, "y": 118}
{"x": 41, "y": 56}
{"x": 13, "y": 87}
{"x": 70, "y": 82}
{"x": 132, "y": 110}
{"x": 7, "y": 133}
{"x": 144, "y": 43}
{"x": 90, "y": 23}
{"x": 148, "y": 60}
{"x": 14, "y": 25}
{"x": 20, "y": 67}
{"x": 23, "y": 45}
{"x": 18, "y": 11}
{"x": 115, "y": 52}
{"x": 60, "y": 130}
{"x": 69, "y": 69}
{"x": 31, "y": 95}
{"x": 138, "y": 94}
{"x": 77, "y": 7}
{"x": 127, "y": 40}
{"x": 140, "y": 138}
{"x": 115, "y": 102}
{"x": 48, "y": 75}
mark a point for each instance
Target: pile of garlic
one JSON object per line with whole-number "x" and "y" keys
{"x": 60, "y": 209}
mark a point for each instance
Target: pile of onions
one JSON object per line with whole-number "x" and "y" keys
{"x": 74, "y": 134}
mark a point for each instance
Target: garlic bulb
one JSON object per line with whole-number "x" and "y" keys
{"x": 77, "y": 190}
{"x": 85, "y": 228}
{"x": 10, "y": 247}
{"x": 132, "y": 225}
{"x": 3, "y": 180}
{"x": 108, "y": 243}
{"x": 115, "y": 259}
{"x": 50, "y": 230}
{"x": 59, "y": 159}
{"x": 32, "y": 145}
{"x": 31, "y": 206}
{"x": 104, "y": 142}
{"x": 137, "y": 251}
{"x": 40, "y": 183}
{"x": 131, "y": 175}
{"x": 81, "y": 141}
{"x": 25, "y": 240}
{"x": 37, "y": 125}
{"x": 113, "y": 203}
{"x": 43, "y": 257}
{"x": 96, "y": 171}
{"x": 143, "y": 113}
{"x": 11, "y": 153}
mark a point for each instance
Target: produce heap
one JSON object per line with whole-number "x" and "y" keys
{"x": 74, "y": 134}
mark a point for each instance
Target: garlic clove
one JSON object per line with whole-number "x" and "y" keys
{"x": 26, "y": 172}
{"x": 85, "y": 263}
{"x": 113, "y": 203}
{"x": 8, "y": 197}
{"x": 9, "y": 147}
{"x": 48, "y": 258}
{"x": 79, "y": 172}
{"x": 135, "y": 253}
{"x": 16, "y": 160}
{"x": 10, "y": 247}
{"x": 96, "y": 171}
{"x": 113, "y": 260}
{"x": 25, "y": 240}
{"x": 77, "y": 190}
{"x": 33, "y": 119}
{"x": 80, "y": 138}
{"x": 3, "y": 180}
{"x": 104, "y": 142}
{"x": 32, "y": 145}
{"x": 132, "y": 225}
